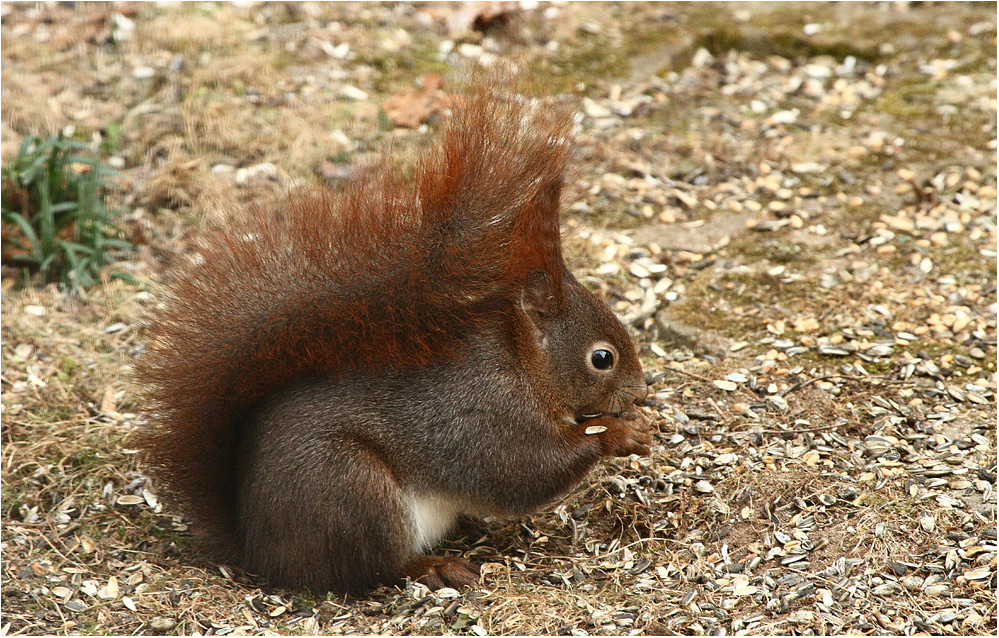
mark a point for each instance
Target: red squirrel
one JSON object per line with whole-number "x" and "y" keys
{"x": 337, "y": 378}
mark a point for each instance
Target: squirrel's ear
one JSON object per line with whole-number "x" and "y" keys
{"x": 537, "y": 301}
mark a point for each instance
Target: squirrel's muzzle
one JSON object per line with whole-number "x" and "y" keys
{"x": 637, "y": 391}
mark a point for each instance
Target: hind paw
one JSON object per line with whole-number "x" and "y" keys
{"x": 443, "y": 571}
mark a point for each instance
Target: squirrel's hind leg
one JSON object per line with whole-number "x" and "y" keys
{"x": 431, "y": 517}
{"x": 320, "y": 506}
{"x": 323, "y": 514}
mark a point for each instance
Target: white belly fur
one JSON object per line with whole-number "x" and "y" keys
{"x": 432, "y": 517}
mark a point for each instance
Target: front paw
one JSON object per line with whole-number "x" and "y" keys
{"x": 620, "y": 437}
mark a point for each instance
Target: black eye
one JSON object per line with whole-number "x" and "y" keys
{"x": 602, "y": 359}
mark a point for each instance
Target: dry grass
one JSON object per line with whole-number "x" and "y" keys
{"x": 87, "y": 548}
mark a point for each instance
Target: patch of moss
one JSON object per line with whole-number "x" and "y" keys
{"x": 778, "y": 251}
{"x": 701, "y": 310}
{"x": 168, "y": 535}
{"x": 960, "y": 259}
{"x": 646, "y": 37}
{"x": 722, "y": 39}
{"x": 68, "y": 365}
{"x": 757, "y": 289}
{"x": 913, "y": 98}
{"x": 574, "y": 65}
{"x": 855, "y": 221}
{"x": 52, "y": 413}
{"x": 612, "y": 214}
{"x": 871, "y": 499}
{"x": 981, "y": 64}
{"x": 86, "y": 458}
{"x": 396, "y": 71}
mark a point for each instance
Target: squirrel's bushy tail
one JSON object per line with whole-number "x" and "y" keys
{"x": 391, "y": 273}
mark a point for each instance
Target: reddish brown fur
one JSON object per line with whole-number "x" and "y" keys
{"x": 396, "y": 273}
